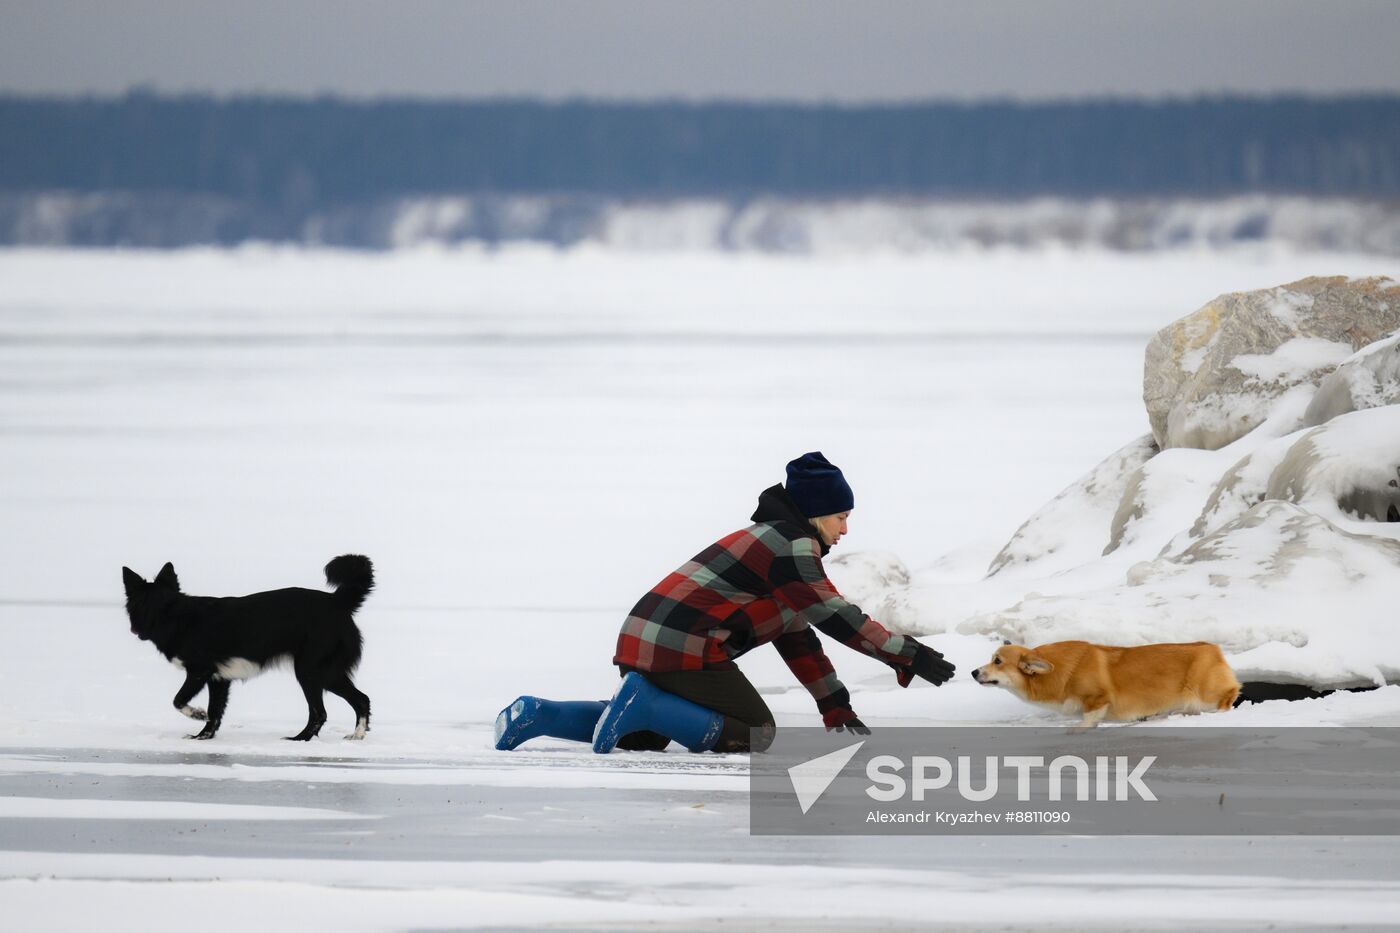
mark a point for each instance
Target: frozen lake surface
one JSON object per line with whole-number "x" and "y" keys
{"x": 524, "y": 442}
{"x": 442, "y": 851}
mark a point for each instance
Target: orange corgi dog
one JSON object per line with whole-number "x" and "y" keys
{"x": 1104, "y": 682}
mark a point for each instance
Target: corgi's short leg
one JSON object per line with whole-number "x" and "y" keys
{"x": 1093, "y": 715}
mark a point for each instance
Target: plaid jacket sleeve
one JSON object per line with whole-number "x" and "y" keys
{"x": 800, "y": 583}
{"x": 802, "y": 650}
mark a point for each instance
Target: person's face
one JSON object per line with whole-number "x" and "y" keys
{"x": 832, "y": 527}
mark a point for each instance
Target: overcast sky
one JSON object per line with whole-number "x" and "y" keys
{"x": 808, "y": 50}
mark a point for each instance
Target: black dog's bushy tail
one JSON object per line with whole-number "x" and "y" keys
{"x": 352, "y": 575}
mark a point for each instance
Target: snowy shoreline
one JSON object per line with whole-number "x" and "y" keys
{"x": 816, "y": 227}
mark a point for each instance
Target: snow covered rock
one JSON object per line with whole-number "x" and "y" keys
{"x": 1283, "y": 550}
{"x": 1368, "y": 379}
{"x": 1277, "y": 541}
{"x": 1181, "y": 486}
{"x": 1215, "y": 375}
{"x": 1267, "y": 587}
{"x": 1242, "y": 487}
{"x": 1349, "y": 467}
{"x": 1161, "y": 497}
{"x": 1347, "y": 470}
{"x": 873, "y": 580}
{"x": 1074, "y": 526}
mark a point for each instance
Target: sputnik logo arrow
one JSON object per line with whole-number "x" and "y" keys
{"x": 811, "y": 778}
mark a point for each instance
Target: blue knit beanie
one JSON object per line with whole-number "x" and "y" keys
{"x": 817, "y": 486}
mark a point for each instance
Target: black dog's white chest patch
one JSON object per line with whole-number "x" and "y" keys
{"x": 238, "y": 669}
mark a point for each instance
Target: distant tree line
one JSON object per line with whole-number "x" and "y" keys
{"x": 295, "y": 155}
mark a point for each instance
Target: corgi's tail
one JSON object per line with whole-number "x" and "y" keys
{"x": 352, "y": 575}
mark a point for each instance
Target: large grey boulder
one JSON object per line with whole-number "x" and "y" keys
{"x": 1216, "y": 374}
{"x": 1369, "y": 379}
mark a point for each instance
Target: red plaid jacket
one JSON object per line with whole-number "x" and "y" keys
{"x": 762, "y": 584}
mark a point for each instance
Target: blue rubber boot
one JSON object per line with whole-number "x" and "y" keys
{"x": 530, "y": 717}
{"x": 640, "y": 706}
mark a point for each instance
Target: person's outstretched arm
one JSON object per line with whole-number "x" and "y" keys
{"x": 800, "y": 582}
{"x": 802, "y": 650}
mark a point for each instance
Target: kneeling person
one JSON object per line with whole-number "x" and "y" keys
{"x": 762, "y": 584}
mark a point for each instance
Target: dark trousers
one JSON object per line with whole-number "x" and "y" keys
{"x": 727, "y": 692}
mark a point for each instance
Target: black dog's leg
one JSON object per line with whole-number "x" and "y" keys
{"x": 218, "y": 702}
{"x": 315, "y": 707}
{"x": 343, "y": 687}
{"x": 192, "y": 685}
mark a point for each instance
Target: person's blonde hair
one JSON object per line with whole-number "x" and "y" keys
{"x": 821, "y": 536}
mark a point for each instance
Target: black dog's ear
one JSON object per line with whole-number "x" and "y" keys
{"x": 131, "y": 580}
{"x": 1006, "y": 641}
{"x": 167, "y": 577}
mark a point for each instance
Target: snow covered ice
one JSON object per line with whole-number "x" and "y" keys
{"x": 524, "y": 441}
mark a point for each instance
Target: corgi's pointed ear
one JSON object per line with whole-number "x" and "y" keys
{"x": 131, "y": 580}
{"x": 167, "y": 577}
{"x": 1034, "y": 664}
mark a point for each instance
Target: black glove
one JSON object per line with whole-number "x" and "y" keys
{"x": 929, "y": 665}
{"x": 851, "y": 725}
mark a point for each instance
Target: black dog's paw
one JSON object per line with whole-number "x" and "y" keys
{"x": 297, "y": 738}
{"x": 194, "y": 712}
{"x": 206, "y": 733}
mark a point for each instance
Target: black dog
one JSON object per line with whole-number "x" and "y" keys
{"x": 220, "y": 639}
